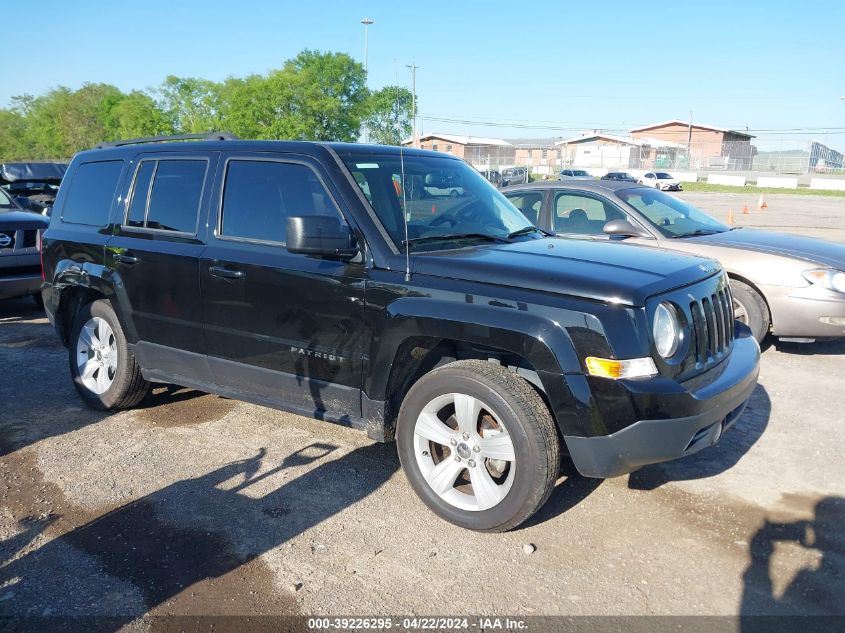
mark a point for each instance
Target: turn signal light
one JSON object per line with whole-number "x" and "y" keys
{"x": 631, "y": 368}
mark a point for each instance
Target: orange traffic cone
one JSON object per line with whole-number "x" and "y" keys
{"x": 433, "y": 209}
{"x": 730, "y": 217}
{"x": 761, "y": 204}
{"x": 745, "y": 209}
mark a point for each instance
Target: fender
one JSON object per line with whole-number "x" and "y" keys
{"x": 535, "y": 333}
{"x": 94, "y": 277}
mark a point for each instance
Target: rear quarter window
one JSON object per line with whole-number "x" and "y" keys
{"x": 91, "y": 192}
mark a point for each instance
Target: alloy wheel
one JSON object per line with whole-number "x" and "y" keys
{"x": 464, "y": 452}
{"x": 96, "y": 355}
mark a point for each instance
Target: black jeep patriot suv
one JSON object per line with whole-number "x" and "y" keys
{"x": 310, "y": 277}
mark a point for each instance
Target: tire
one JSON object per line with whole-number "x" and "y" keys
{"x": 115, "y": 382}
{"x": 504, "y": 405}
{"x": 751, "y": 309}
{"x": 454, "y": 193}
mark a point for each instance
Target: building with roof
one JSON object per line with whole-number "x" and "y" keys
{"x": 540, "y": 155}
{"x": 611, "y": 151}
{"x": 709, "y": 147}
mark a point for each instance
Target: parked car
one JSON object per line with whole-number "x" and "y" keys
{"x": 621, "y": 176}
{"x": 661, "y": 180}
{"x": 575, "y": 174}
{"x": 492, "y": 176}
{"x": 514, "y": 176}
{"x": 786, "y": 285}
{"x": 266, "y": 271}
{"x": 33, "y": 185}
{"x": 20, "y": 262}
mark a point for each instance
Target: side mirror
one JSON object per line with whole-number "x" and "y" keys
{"x": 623, "y": 228}
{"x": 320, "y": 235}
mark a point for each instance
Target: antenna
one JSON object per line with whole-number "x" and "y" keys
{"x": 403, "y": 183}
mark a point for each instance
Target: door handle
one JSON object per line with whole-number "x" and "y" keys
{"x": 226, "y": 273}
{"x": 126, "y": 259}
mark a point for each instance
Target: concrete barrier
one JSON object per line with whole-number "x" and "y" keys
{"x": 685, "y": 176}
{"x": 780, "y": 183}
{"x": 721, "y": 179}
{"x": 831, "y": 184}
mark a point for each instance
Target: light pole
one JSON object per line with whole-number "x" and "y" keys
{"x": 366, "y": 22}
{"x": 413, "y": 67}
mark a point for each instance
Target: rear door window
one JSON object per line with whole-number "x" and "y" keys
{"x": 527, "y": 202}
{"x": 175, "y": 195}
{"x": 91, "y": 193}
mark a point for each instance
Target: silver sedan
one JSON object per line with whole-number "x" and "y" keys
{"x": 786, "y": 285}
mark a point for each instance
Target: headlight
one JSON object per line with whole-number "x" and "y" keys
{"x": 827, "y": 278}
{"x": 666, "y": 330}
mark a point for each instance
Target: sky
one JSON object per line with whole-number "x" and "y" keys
{"x": 502, "y": 69}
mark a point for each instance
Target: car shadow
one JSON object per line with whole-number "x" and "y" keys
{"x": 185, "y": 538}
{"x": 570, "y": 490}
{"x": 714, "y": 460}
{"x": 816, "y": 592}
{"x": 828, "y": 347}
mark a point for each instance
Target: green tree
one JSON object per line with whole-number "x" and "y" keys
{"x": 191, "y": 105}
{"x": 320, "y": 96}
{"x": 13, "y": 136}
{"x": 389, "y": 115}
{"x": 137, "y": 115}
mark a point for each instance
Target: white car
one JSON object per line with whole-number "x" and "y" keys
{"x": 661, "y": 180}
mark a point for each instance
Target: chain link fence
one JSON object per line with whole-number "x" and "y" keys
{"x": 793, "y": 158}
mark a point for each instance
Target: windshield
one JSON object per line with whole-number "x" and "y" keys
{"x": 662, "y": 175}
{"x": 579, "y": 172}
{"x": 440, "y": 197}
{"x": 670, "y": 215}
{"x": 5, "y": 201}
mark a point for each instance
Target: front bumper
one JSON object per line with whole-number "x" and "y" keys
{"x": 19, "y": 285}
{"x": 713, "y": 406}
{"x": 807, "y": 312}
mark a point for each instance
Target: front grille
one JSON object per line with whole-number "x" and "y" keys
{"x": 712, "y": 327}
{"x": 30, "y": 238}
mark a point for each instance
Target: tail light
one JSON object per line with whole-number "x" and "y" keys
{"x": 40, "y": 243}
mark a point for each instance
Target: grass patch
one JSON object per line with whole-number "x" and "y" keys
{"x": 804, "y": 191}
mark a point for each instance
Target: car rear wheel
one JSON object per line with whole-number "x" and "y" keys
{"x": 750, "y": 308}
{"x": 478, "y": 445}
{"x": 104, "y": 371}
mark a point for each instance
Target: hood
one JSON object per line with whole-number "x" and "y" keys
{"x": 807, "y": 248}
{"x": 603, "y": 271}
{"x": 14, "y": 220}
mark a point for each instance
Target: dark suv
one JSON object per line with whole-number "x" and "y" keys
{"x": 303, "y": 276}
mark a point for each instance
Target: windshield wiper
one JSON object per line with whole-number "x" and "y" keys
{"x": 455, "y": 236}
{"x": 699, "y": 232}
{"x": 526, "y": 230}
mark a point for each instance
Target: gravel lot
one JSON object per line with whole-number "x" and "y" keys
{"x": 194, "y": 504}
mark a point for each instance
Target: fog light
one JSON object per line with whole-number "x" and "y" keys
{"x": 832, "y": 320}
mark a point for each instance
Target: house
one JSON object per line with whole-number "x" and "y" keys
{"x": 709, "y": 147}
{"x": 476, "y": 150}
{"x": 609, "y": 151}
{"x": 541, "y": 156}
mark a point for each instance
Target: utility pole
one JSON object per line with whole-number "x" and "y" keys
{"x": 413, "y": 67}
{"x": 689, "y": 141}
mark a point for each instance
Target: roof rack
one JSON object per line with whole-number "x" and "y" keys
{"x": 209, "y": 136}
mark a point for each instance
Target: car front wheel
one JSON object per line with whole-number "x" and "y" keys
{"x": 750, "y": 308}
{"x": 478, "y": 445}
{"x": 103, "y": 369}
